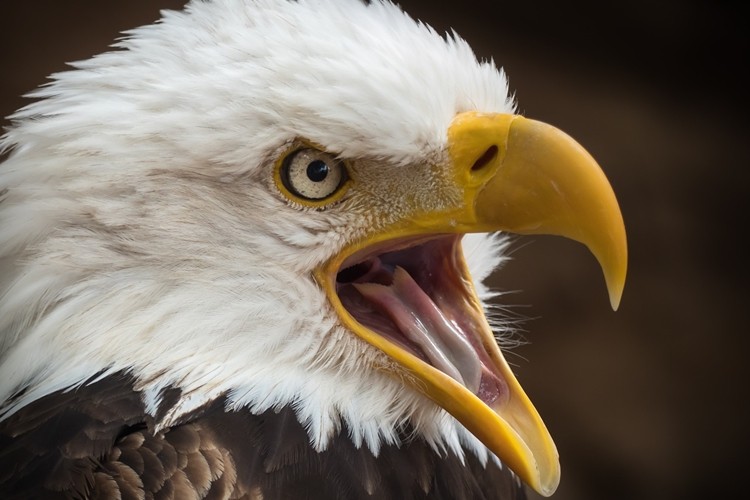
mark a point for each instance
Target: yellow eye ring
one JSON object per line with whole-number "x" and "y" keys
{"x": 311, "y": 177}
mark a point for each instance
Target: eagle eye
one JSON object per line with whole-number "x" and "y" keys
{"x": 311, "y": 176}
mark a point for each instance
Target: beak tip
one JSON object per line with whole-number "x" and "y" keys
{"x": 614, "y": 299}
{"x": 548, "y": 488}
{"x": 615, "y": 283}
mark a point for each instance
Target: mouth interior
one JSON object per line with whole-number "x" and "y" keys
{"x": 415, "y": 294}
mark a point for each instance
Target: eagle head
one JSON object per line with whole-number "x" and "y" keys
{"x": 275, "y": 202}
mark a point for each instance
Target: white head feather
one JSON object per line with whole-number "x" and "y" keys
{"x": 139, "y": 232}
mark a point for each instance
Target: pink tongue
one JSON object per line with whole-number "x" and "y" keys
{"x": 420, "y": 321}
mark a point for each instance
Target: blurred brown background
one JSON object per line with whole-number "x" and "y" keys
{"x": 645, "y": 403}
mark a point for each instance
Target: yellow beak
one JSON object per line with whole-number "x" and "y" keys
{"x": 538, "y": 180}
{"x": 520, "y": 176}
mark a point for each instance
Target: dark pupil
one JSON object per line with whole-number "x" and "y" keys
{"x": 317, "y": 171}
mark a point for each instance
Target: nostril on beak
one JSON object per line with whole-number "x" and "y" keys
{"x": 487, "y": 158}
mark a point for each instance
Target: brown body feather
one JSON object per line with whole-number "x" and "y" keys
{"x": 96, "y": 442}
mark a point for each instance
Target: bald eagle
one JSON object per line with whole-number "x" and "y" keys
{"x": 242, "y": 256}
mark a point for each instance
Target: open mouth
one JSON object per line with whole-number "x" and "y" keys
{"x": 404, "y": 287}
{"x": 417, "y": 294}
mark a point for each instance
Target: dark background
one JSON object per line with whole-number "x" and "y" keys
{"x": 645, "y": 403}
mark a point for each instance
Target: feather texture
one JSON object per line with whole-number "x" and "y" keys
{"x": 96, "y": 442}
